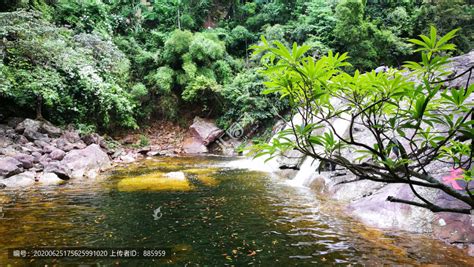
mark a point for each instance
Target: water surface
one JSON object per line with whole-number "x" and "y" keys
{"x": 223, "y": 216}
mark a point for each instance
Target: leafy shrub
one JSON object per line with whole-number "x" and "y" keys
{"x": 75, "y": 78}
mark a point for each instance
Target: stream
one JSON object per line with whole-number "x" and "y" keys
{"x": 215, "y": 212}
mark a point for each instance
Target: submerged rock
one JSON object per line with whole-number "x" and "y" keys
{"x": 176, "y": 175}
{"x": 154, "y": 182}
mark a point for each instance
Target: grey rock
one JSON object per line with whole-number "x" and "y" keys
{"x": 36, "y": 155}
{"x": 201, "y": 133}
{"x": 58, "y": 169}
{"x": 94, "y": 138}
{"x": 9, "y": 151}
{"x": 48, "y": 149}
{"x": 87, "y": 162}
{"x": 51, "y": 130}
{"x": 28, "y": 124}
{"x": 5, "y": 141}
{"x": 40, "y": 143}
{"x": 57, "y": 154}
{"x": 20, "y": 180}
{"x": 27, "y": 161}
{"x": 9, "y": 166}
{"x": 21, "y": 140}
{"x": 376, "y": 211}
{"x": 153, "y": 153}
{"x": 205, "y": 130}
{"x": 50, "y": 179}
{"x": 71, "y": 136}
{"x": 34, "y": 135}
{"x": 459, "y": 65}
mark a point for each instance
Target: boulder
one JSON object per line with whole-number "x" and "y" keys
{"x": 28, "y": 125}
{"x": 50, "y": 179}
{"x": 87, "y": 162}
{"x": 34, "y": 130}
{"x": 191, "y": 145}
{"x": 5, "y": 141}
{"x": 9, "y": 166}
{"x": 376, "y": 211}
{"x": 20, "y": 180}
{"x": 94, "y": 138}
{"x": 58, "y": 169}
{"x": 459, "y": 65}
{"x": 36, "y": 155}
{"x": 127, "y": 158}
{"x": 201, "y": 133}
{"x": 454, "y": 228}
{"x": 57, "y": 154}
{"x": 71, "y": 136}
{"x": 25, "y": 159}
{"x": 205, "y": 130}
{"x": 64, "y": 144}
{"x": 50, "y": 130}
{"x": 34, "y": 135}
{"x": 9, "y": 151}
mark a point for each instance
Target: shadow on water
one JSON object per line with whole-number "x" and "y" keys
{"x": 222, "y": 216}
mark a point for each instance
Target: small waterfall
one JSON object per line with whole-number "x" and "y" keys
{"x": 306, "y": 174}
{"x": 308, "y": 170}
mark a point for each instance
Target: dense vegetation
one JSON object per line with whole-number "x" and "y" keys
{"x": 116, "y": 63}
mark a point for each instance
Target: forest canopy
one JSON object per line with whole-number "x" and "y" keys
{"x": 116, "y": 63}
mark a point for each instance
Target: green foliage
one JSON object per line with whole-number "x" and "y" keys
{"x": 244, "y": 100}
{"x": 79, "y": 77}
{"x": 387, "y": 105}
{"x": 144, "y": 141}
{"x": 110, "y": 63}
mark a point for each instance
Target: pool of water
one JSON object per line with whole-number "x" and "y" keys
{"x": 217, "y": 215}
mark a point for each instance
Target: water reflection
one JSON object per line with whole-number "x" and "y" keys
{"x": 228, "y": 217}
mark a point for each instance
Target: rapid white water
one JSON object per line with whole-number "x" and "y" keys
{"x": 308, "y": 169}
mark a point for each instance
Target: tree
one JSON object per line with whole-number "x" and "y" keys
{"x": 68, "y": 78}
{"x": 408, "y": 126}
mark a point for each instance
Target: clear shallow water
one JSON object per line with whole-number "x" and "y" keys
{"x": 233, "y": 217}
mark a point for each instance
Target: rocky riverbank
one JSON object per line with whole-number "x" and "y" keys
{"x": 33, "y": 151}
{"x": 37, "y": 152}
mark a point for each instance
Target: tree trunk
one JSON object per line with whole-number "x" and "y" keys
{"x": 39, "y": 104}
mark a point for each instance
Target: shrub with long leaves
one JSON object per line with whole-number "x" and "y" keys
{"x": 411, "y": 122}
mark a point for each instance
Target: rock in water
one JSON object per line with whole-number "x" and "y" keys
{"x": 176, "y": 175}
{"x": 87, "y": 162}
{"x": 20, "y": 180}
{"x": 50, "y": 179}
